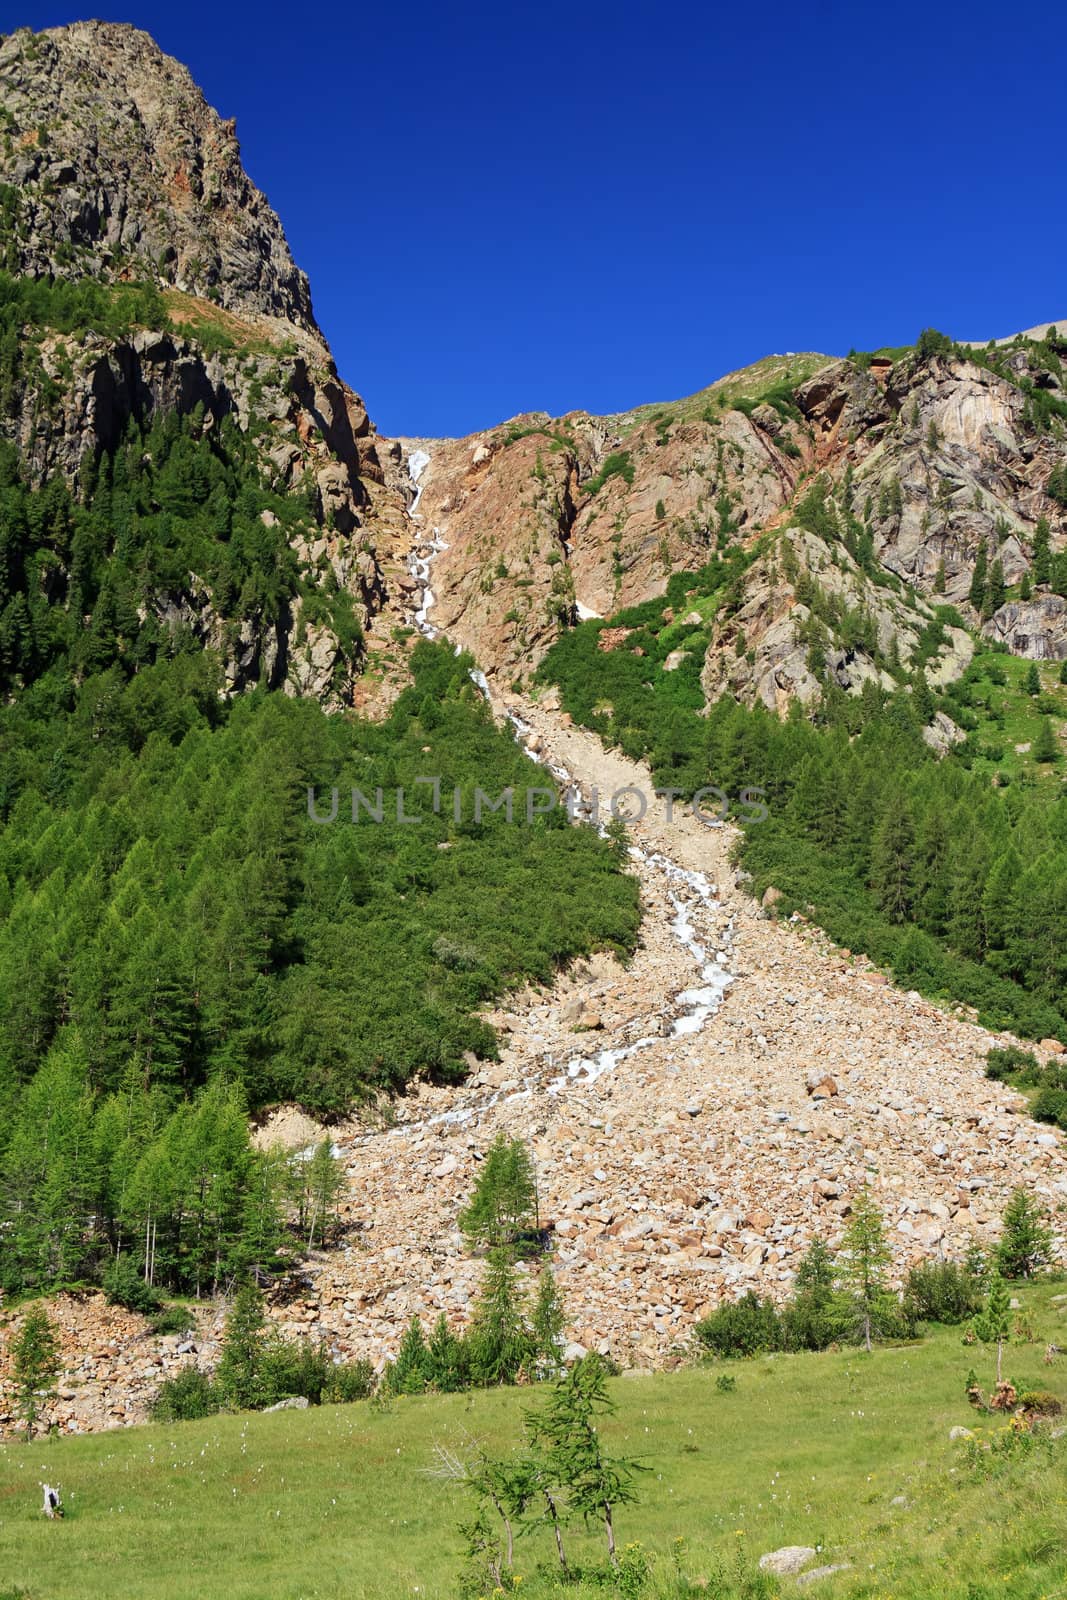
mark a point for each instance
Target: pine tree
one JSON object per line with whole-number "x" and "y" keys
{"x": 240, "y": 1371}
{"x": 922, "y": 697}
{"x": 866, "y": 1256}
{"x": 569, "y": 1452}
{"x": 893, "y": 860}
{"x": 939, "y": 578}
{"x": 500, "y": 1340}
{"x": 1026, "y": 1239}
{"x": 445, "y": 1364}
{"x": 504, "y": 1202}
{"x": 996, "y": 590}
{"x": 976, "y": 594}
{"x": 547, "y": 1323}
{"x": 993, "y": 1324}
{"x": 35, "y": 1364}
{"x": 325, "y": 1181}
{"x": 1045, "y": 749}
{"x": 813, "y": 1318}
{"x": 409, "y": 1372}
{"x": 1032, "y": 681}
{"x": 49, "y": 1172}
{"x": 1025, "y": 587}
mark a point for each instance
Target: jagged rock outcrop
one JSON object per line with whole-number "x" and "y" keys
{"x": 1036, "y": 628}
{"x": 123, "y": 169}
{"x": 808, "y": 613}
{"x": 548, "y": 520}
{"x": 118, "y": 170}
{"x": 945, "y": 459}
{"x": 928, "y": 463}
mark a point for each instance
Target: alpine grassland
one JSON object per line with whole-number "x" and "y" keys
{"x": 846, "y": 1453}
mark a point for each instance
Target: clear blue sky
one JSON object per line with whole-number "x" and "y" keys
{"x": 504, "y": 208}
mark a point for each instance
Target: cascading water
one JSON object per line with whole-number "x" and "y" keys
{"x": 687, "y": 890}
{"x": 423, "y": 553}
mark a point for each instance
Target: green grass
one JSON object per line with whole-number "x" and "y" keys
{"x": 336, "y": 1503}
{"x": 1007, "y": 716}
{"x": 747, "y": 384}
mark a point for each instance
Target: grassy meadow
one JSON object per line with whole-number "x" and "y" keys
{"x": 841, "y": 1451}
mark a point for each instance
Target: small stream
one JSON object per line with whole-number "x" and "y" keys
{"x": 689, "y": 892}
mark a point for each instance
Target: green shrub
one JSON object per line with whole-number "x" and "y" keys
{"x": 748, "y": 1327}
{"x": 185, "y": 1397}
{"x": 291, "y": 1367}
{"x": 348, "y": 1381}
{"x": 1040, "y": 1402}
{"x": 942, "y": 1291}
{"x": 616, "y": 465}
{"x": 172, "y": 1319}
{"x": 124, "y": 1285}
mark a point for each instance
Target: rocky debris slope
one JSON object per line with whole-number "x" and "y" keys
{"x": 112, "y": 1363}
{"x": 123, "y": 169}
{"x": 691, "y": 1136}
{"x": 702, "y": 1164}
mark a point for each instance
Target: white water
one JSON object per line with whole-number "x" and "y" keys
{"x": 688, "y": 891}
{"x": 419, "y": 565}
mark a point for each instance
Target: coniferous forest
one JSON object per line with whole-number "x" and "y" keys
{"x": 180, "y": 943}
{"x": 958, "y": 885}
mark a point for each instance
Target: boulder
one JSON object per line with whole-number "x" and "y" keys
{"x": 788, "y": 1561}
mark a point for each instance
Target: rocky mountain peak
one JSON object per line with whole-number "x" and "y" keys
{"x": 121, "y": 169}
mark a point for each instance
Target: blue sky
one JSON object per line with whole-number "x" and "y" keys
{"x": 508, "y": 208}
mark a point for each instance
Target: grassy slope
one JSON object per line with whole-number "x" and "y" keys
{"x": 1022, "y": 717}
{"x": 746, "y": 384}
{"x": 331, "y": 1503}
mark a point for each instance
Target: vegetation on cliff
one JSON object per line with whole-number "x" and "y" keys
{"x": 959, "y": 886}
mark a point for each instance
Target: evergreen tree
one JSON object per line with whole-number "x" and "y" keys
{"x": 893, "y": 861}
{"x": 500, "y": 1340}
{"x": 993, "y": 1323}
{"x": 813, "y": 1318}
{"x": 49, "y": 1174}
{"x": 1032, "y": 681}
{"x": 939, "y": 578}
{"x": 996, "y": 590}
{"x": 240, "y": 1374}
{"x": 325, "y": 1181}
{"x": 504, "y": 1202}
{"x": 866, "y": 1256}
{"x": 445, "y": 1358}
{"x": 410, "y": 1371}
{"x": 547, "y": 1324}
{"x": 976, "y": 594}
{"x": 569, "y": 1451}
{"x": 1025, "y": 587}
{"x": 922, "y": 697}
{"x": 35, "y": 1364}
{"x": 1045, "y": 749}
{"x": 1026, "y": 1239}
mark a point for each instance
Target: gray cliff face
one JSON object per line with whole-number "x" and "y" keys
{"x": 114, "y": 169}
{"x": 123, "y": 169}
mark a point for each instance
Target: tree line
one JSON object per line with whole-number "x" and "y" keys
{"x": 958, "y": 886}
